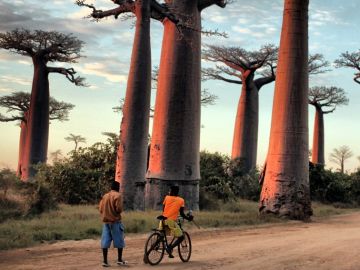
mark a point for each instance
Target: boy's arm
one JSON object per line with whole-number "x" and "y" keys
{"x": 119, "y": 205}
{"x": 101, "y": 206}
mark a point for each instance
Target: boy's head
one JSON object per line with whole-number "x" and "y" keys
{"x": 115, "y": 185}
{"x": 174, "y": 190}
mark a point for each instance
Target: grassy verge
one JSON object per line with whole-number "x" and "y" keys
{"x": 82, "y": 222}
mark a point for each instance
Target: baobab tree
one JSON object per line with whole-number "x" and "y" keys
{"x": 244, "y": 66}
{"x": 132, "y": 152}
{"x": 17, "y": 106}
{"x": 325, "y": 100}
{"x": 351, "y": 60}
{"x": 252, "y": 70}
{"x": 43, "y": 47}
{"x": 76, "y": 139}
{"x": 175, "y": 143}
{"x": 285, "y": 190}
{"x": 340, "y": 155}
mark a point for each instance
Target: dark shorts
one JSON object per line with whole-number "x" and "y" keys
{"x": 113, "y": 232}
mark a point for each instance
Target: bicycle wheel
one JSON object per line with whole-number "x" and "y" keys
{"x": 184, "y": 248}
{"x": 154, "y": 249}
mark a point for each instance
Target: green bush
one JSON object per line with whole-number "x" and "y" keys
{"x": 225, "y": 179}
{"x": 355, "y": 187}
{"x": 83, "y": 177}
{"x": 23, "y": 198}
{"x": 244, "y": 184}
{"x": 332, "y": 187}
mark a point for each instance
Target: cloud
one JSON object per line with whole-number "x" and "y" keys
{"x": 5, "y": 90}
{"x": 102, "y": 70}
{"x": 15, "y": 79}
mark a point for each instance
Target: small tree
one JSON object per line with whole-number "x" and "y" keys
{"x": 76, "y": 139}
{"x": 56, "y": 156}
{"x": 325, "y": 100}
{"x": 340, "y": 155}
{"x": 351, "y": 60}
{"x": 17, "y": 106}
{"x": 43, "y": 47}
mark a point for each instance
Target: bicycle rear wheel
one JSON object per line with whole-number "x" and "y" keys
{"x": 184, "y": 248}
{"x": 154, "y": 249}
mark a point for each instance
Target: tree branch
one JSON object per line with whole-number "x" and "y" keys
{"x": 12, "y": 118}
{"x": 70, "y": 75}
{"x": 357, "y": 78}
{"x": 210, "y": 73}
{"x": 207, "y": 3}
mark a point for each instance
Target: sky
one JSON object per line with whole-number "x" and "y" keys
{"x": 333, "y": 29}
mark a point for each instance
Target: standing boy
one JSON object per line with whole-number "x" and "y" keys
{"x": 110, "y": 208}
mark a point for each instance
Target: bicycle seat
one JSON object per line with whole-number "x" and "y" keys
{"x": 161, "y": 217}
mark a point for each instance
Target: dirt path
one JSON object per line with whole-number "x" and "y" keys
{"x": 332, "y": 244}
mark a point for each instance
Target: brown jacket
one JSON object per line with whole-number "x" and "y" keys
{"x": 110, "y": 207}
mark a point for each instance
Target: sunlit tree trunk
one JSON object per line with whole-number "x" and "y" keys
{"x": 246, "y": 125}
{"x": 318, "y": 155}
{"x": 37, "y": 134}
{"x": 22, "y": 144}
{"x": 285, "y": 190}
{"x": 132, "y": 152}
{"x": 175, "y": 142}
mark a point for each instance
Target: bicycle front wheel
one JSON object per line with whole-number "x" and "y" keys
{"x": 154, "y": 249}
{"x": 184, "y": 248}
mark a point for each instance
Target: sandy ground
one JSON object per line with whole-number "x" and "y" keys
{"x": 332, "y": 243}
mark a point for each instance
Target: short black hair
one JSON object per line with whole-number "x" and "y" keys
{"x": 174, "y": 190}
{"x": 115, "y": 185}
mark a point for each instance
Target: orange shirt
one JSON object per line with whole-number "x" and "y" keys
{"x": 172, "y": 206}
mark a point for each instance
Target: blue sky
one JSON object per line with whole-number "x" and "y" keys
{"x": 333, "y": 29}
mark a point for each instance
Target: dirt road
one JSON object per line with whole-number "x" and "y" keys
{"x": 332, "y": 244}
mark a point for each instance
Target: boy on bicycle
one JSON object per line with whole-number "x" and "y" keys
{"x": 174, "y": 205}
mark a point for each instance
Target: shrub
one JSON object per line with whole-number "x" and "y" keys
{"x": 83, "y": 177}
{"x": 355, "y": 187}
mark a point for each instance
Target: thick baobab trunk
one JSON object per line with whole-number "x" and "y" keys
{"x": 175, "y": 143}
{"x": 318, "y": 156}
{"x": 132, "y": 152}
{"x": 38, "y": 123}
{"x": 285, "y": 190}
{"x": 246, "y": 125}
{"x": 22, "y": 143}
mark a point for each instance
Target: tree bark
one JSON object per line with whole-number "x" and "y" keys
{"x": 175, "y": 143}
{"x": 285, "y": 191}
{"x": 132, "y": 151}
{"x": 38, "y": 122}
{"x": 246, "y": 125}
{"x": 22, "y": 144}
{"x": 318, "y": 155}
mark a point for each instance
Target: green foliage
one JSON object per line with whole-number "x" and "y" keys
{"x": 214, "y": 179}
{"x": 7, "y": 180}
{"x": 23, "y": 198}
{"x": 83, "y": 177}
{"x": 334, "y": 187}
{"x": 244, "y": 185}
{"x": 355, "y": 187}
{"x": 225, "y": 179}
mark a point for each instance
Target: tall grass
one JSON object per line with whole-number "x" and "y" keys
{"x": 83, "y": 222}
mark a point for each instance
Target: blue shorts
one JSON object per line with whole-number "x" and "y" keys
{"x": 113, "y": 232}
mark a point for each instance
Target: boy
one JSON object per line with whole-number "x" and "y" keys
{"x": 174, "y": 205}
{"x": 110, "y": 208}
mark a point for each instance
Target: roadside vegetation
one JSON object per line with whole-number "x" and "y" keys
{"x": 62, "y": 203}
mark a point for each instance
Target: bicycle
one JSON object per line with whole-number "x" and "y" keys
{"x": 157, "y": 243}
